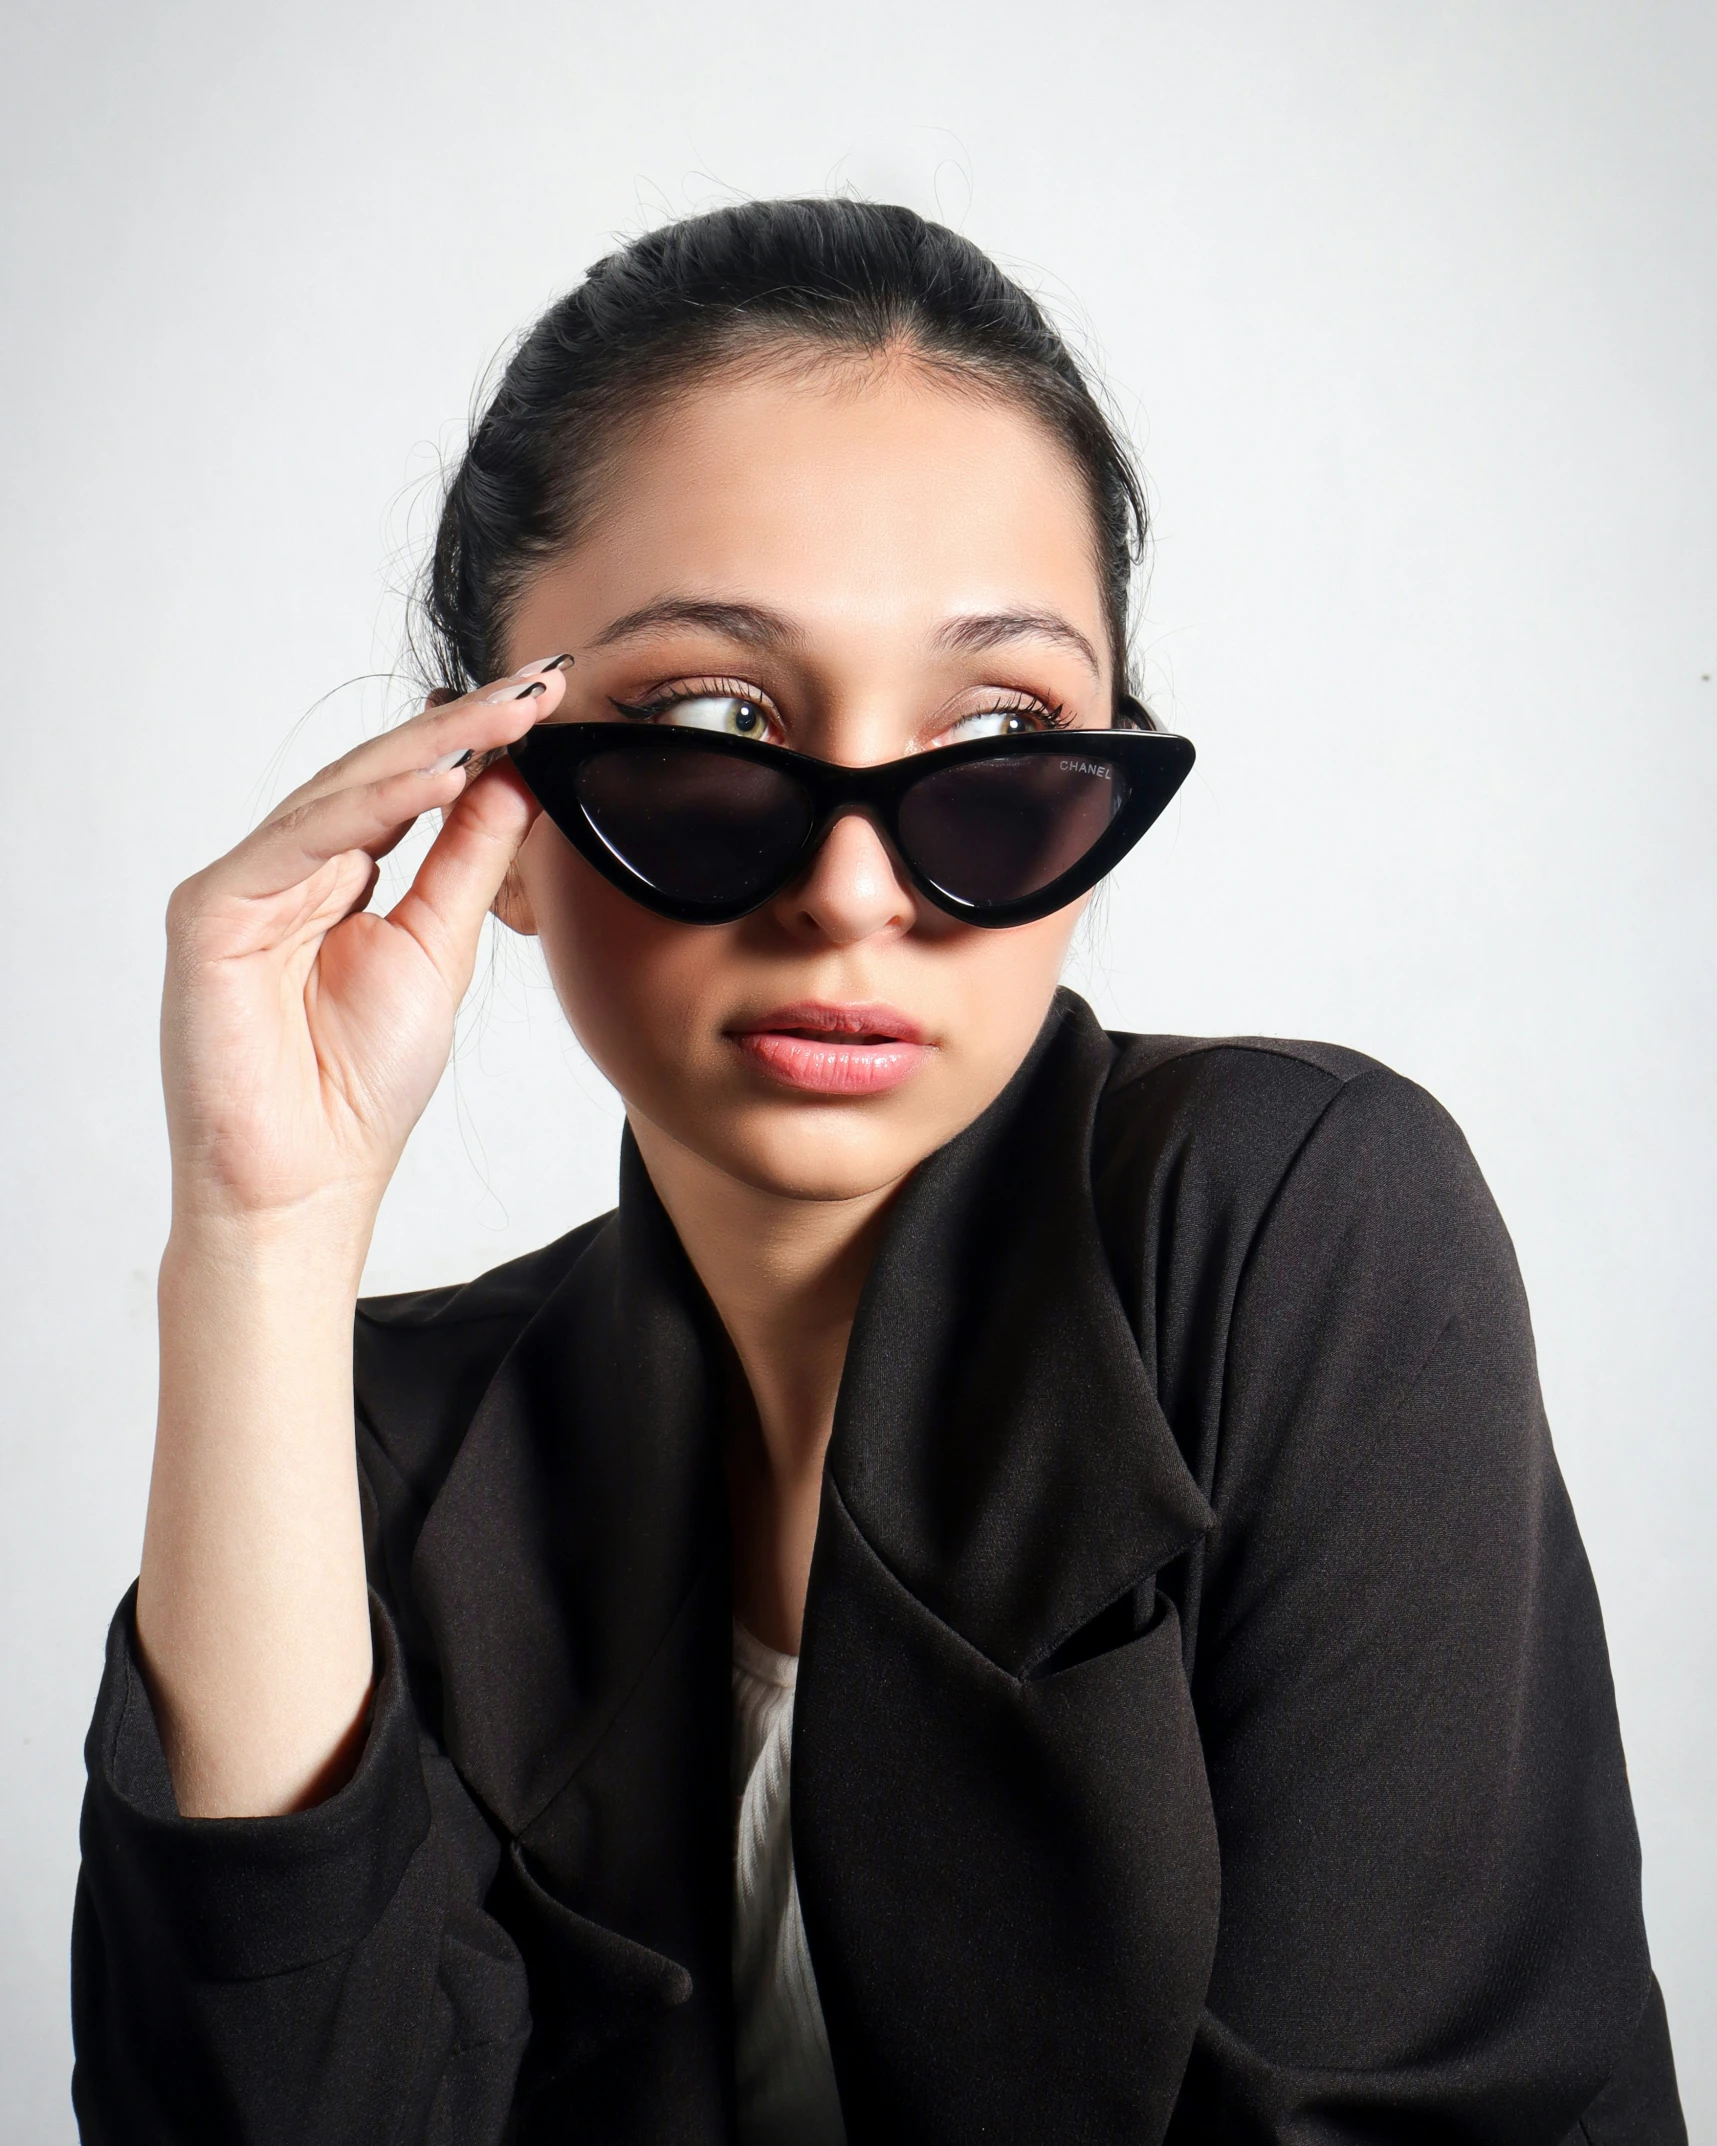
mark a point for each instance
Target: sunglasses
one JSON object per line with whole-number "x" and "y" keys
{"x": 704, "y": 827}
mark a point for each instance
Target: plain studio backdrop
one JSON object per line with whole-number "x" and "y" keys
{"x": 1411, "y": 313}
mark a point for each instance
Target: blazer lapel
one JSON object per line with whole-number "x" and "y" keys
{"x": 585, "y": 1504}
{"x": 574, "y": 1575}
{"x": 1005, "y": 1849}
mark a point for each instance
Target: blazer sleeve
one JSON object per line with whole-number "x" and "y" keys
{"x": 1430, "y": 1922}
{"x": 328, "y": 1976}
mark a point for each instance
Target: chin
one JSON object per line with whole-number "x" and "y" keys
{"x": 810, "y": 1155}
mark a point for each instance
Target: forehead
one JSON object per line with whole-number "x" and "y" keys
{"x": 879, "y": 496}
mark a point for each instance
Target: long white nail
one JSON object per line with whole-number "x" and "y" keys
{"x": 511, "y": 692}
{"x": 544, "y": 663}
{"x": 447, "y": 763}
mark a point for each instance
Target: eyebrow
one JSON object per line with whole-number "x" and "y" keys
{"x": 991, "y": 629}
{"x": 756, "y": 626}
{"x": 752, "y": 624}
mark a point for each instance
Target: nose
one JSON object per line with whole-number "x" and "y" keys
{"x": 851, "y": 890}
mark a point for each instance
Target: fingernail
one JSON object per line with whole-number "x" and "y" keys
{"x": 447, "y": 763}
{"x": 511, "y": 692}
{"x": 548, "y": 663}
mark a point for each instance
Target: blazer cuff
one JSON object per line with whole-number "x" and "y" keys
{"x": 245, "y": 1897}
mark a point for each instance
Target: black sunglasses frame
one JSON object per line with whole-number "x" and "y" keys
{"x": 1155, "y": 762}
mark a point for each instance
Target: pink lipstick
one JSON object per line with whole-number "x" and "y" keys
{"x": 821, "y": 1049}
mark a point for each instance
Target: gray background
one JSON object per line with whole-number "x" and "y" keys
{"x": 1412, "y": 312}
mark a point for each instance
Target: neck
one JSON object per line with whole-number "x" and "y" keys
{"x": 784, "y": 1275}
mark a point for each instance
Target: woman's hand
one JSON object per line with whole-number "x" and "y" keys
{"x": 302, "y": 1036}
{"x": 301, "y": 1039}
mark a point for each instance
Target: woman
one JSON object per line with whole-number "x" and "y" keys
{"x": 1017, "y": 1587}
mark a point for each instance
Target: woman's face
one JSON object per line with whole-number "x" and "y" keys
{"x": 859, "y": 566}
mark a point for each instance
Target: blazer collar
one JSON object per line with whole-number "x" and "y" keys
{"x": 997, "y": 1440}
{"x": 999, "y": 1475}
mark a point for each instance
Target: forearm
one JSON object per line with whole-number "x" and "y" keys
{"x": 252, "y": 1611}
{"x": 301, "y": 1037}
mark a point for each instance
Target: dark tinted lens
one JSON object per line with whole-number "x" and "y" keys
{"x": 699, "y": 826}
{"x": 999, "y": 830}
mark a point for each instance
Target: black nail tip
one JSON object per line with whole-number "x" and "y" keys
{"x": 554, "y": 663}
{"x": 469, "y": 754}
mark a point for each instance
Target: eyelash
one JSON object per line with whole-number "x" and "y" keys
{"x": 1051, "y": 714}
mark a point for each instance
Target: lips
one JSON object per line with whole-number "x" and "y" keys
{"x": 823, "y": 1049}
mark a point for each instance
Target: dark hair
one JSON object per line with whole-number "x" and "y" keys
{"x": 837, "y": 275}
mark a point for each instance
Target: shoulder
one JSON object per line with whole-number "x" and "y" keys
{"x": 1307, "y": 1183}
{"x": 422, "y": 1360}
{"x": 1240, "y": 1115}
{"x": 1220, "y": 1087}
{"x": 1138, "y": 1058}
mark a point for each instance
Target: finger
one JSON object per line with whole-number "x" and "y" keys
{"x": 484, "y": 721}
{"x": 373, "y": 817}
{"x": 478, "y": 723}
{"x": 444, "y": 907}
{"x": 339, "y": 890}
{"x": 366, "y": 894}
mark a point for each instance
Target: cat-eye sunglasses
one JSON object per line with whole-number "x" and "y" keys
{"x": 703, "y": 826}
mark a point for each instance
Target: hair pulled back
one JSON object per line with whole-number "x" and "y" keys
{"x": 834, "y": 276}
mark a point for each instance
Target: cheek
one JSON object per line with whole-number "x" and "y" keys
{"x": 630, "y": 983}
{"x": 1002, "y": 982}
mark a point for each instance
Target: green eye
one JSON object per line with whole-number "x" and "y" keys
{"x": 726, "y": 712}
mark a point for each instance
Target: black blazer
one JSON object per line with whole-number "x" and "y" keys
{"x": 1204, "y": 1729}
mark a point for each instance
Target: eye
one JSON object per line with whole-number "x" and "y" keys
{"x": 993, "y": 723}
{"x": 719, "y": 711}
{"x": 733, "y": 714}
{"x": 1003, "y": 723}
